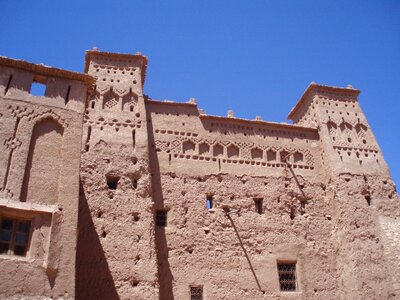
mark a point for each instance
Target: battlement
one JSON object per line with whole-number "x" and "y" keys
{"x": 63, "y": 88}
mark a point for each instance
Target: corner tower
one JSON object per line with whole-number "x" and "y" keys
{"x": 348, "y": 144}
{"x": 360, "y": 191}
{"x": 115, "y": 215}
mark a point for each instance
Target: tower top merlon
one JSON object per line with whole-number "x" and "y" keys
{"x": 116, "y": 59}
{"x": 321, "y": 89}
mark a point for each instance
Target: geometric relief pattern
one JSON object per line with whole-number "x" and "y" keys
{"x": 12, "y": 143}
{"x": 347, "y": 136}
{"x": 20, "y": 112}
{"x": 40, "y": 114}
{"x": 110, "y": 99}
{"x": 235, "y": 152}
{"x": 48, "y": 114}
{"x": 162, "y": 146}
{"x": 110, "y": 103}
{"x": 101, "y": 121}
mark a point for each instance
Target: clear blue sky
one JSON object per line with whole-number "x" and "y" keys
{"x": 255, "y": 57}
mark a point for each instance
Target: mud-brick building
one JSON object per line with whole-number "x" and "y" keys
{"x": 106, "y": 193}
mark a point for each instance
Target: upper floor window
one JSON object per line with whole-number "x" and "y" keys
{"x": 287, "y": 277}
{"x": 14, "y": 236}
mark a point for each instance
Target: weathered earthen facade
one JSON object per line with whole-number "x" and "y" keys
{"x": 106, "y": 193}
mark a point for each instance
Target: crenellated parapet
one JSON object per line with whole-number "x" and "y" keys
{"x": 64, "y": 89}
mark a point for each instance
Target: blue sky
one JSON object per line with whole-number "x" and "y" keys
{"x": 254, "y": 57}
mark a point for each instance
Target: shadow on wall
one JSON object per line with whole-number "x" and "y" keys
{"x": 164, "y": 271}
{"x": 93, "y": 276}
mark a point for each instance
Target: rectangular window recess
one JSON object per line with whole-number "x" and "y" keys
{"x": 14, "y": 236}
{"x": 209, "y": 202}
{"x": 287, "y": 277}
{"x": 196, "y": 293}
{"x": 258, "y": 202}
{"x": 37, "y": 89}
{"x": 161, "y": 218}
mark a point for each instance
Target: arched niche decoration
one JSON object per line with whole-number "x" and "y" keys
{"x": 43, "y": 165}
{"x": 347, "y": 133}
{"x": 94, "y": 100}
{"x": 333, "y": 130}
{"x": 129, "y": 101}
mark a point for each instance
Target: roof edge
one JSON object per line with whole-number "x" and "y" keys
{"x": 312, "y": 86}
{"x": 259, "y": 122}
{"x": 144, "y": 60}
{"x": 46, "y": 70}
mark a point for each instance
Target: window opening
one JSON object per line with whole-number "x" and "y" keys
{"x": 14, "y": 236}
{"x": 8, "y": 84}
{"x": 209, "y": 202}
{"x": 161, "y": 218}
{"x": 37, "y": 89}
{"x": 258, "y": 202}
{"x": 196, "y": 293}
{"x": 287, "y": 277}
{"x": 112, "y": 182}
{"x": 67, "y": 95}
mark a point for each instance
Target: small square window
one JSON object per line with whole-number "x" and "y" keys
{"x": 161, "y": 218}
{"x": 287, "y": 277}
{"x": 112, "y": 182}
{"x": 196, "y": 293}
{"x": 14, "y": 236}
{"x": 38, "y": 89}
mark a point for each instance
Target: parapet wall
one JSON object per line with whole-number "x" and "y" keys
{"x": 191, "y": 143}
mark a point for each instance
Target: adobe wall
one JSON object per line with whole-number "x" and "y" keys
{"x": 94, "y": 164}
{"x": 171, "y": 157}
{"x": 314, "y": 191}
{"x": 39, "y": 171}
